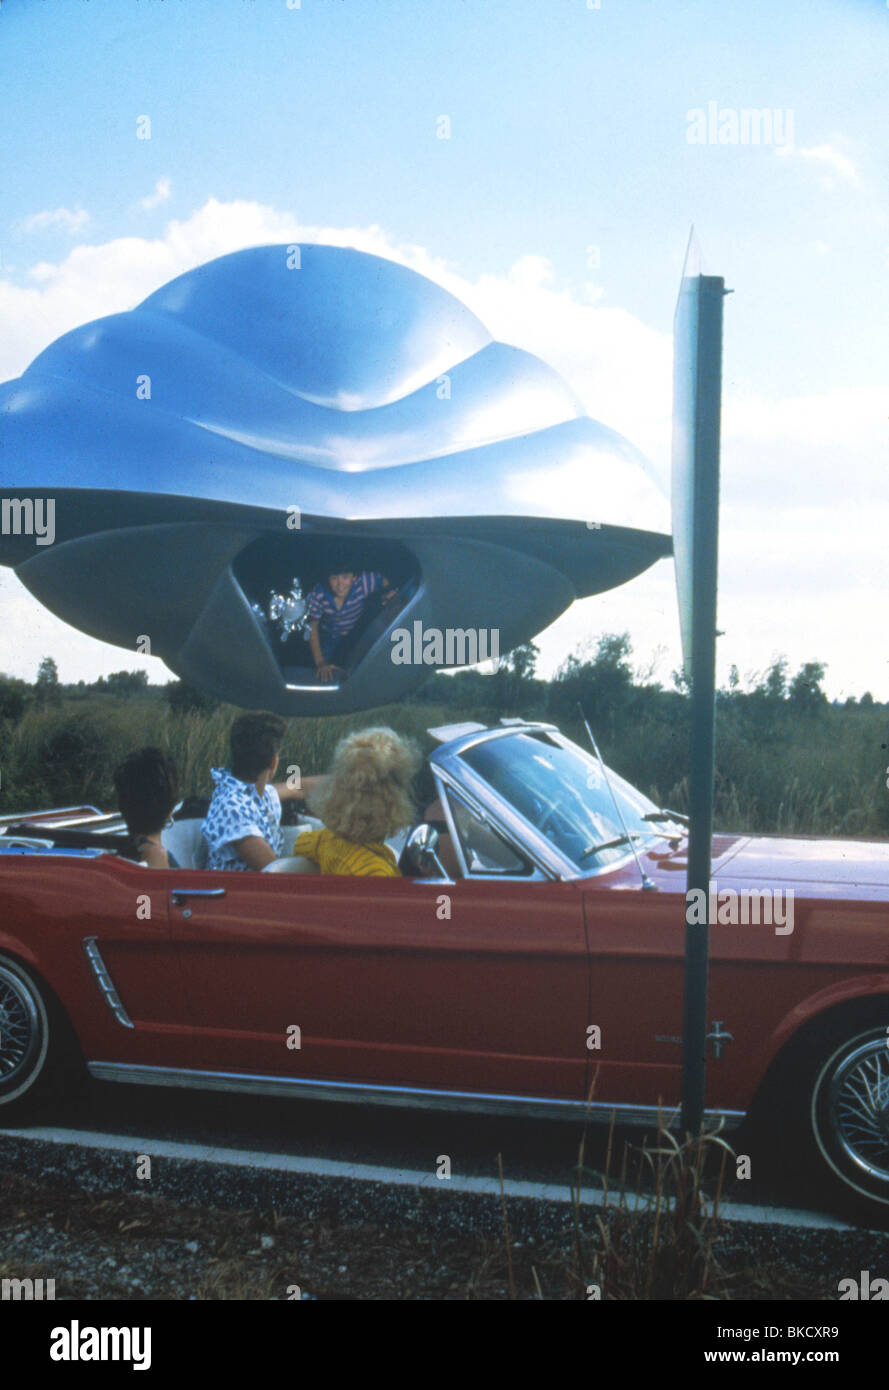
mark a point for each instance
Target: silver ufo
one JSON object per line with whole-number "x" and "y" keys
{"x": 211, "y": 449}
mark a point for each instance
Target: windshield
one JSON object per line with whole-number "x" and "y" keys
{"x": 560, "y": 789}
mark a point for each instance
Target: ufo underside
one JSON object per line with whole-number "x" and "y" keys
{"x": 165, "y": 471}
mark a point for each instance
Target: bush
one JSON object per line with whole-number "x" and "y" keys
{"x": 782, "y": 765}
{"x": 64, "y": 756}
{"x": 187, "y": 699}
{"x": 14, "y": 697}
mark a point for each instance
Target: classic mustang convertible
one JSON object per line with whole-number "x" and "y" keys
{"x": 543, "y": 976}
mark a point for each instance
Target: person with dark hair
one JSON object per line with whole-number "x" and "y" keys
{"x": 340, "y": 608}
{"x": 243, "y": 824}
{"x": 147, "y": 787}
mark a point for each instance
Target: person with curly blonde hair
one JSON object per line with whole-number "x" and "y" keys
{"x": 366, "y": 797}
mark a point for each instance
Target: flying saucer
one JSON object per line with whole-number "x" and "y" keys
{"x": 181, "y": 474}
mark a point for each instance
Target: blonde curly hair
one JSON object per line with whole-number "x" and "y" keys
{"x": 367, "y": 794}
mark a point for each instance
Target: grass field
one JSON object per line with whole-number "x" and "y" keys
{"x": 777, "y": 770}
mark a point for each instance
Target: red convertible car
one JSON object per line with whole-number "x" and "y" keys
{"x": 543, "y": 976}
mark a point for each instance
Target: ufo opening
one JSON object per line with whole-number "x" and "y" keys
{"x": 278, "y": 575}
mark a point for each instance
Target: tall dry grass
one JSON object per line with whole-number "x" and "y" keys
{"x": 67, "y": 754}
{"x": 657, "y": 1229}
{"x": 775, "y": 773}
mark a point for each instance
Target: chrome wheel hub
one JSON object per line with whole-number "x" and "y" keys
{"x": 859, "y": 1107}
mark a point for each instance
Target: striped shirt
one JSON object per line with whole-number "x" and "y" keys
{"x": 334, "y": 855}
{"x": 335, "y": 622}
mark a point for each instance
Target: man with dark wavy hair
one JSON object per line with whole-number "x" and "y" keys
{"x": 243, "y": 824}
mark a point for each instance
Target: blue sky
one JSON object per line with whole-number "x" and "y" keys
{"x": 568, "y": 130}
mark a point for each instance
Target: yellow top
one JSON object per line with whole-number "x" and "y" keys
{"x": 334, "y": 855}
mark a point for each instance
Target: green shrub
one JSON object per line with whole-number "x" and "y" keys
{"x": 778, "y": 768}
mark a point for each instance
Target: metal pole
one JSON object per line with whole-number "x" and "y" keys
{"x": 696, "y": 505}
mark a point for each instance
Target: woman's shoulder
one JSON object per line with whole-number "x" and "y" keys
{"x": 379, "y": 861}
{"x": 308, "y": 839}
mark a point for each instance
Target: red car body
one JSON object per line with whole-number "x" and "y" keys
{"x": 497, "y": 997}
{"x": 524, "y": 993}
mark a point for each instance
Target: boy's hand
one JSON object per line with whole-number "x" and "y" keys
{"x": 389, "y": 595}
{"x": 327, "y": 671}
{"x": 306, "y": 786}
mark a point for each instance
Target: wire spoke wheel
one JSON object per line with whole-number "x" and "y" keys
{"x": 17, "y": 1023}
{"x": 859, "y": 1108}
{"x": 23, "y": 1032}
{"x": 850, "y": 1113}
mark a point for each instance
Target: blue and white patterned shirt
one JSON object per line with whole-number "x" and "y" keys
{"x": 334, "y": 623}
{"x": 237, "y": 810}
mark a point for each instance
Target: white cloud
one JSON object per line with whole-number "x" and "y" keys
{"x": 847, "y": 414}
{"x": 161, "y": 194}
{"x": 68, "y": 220}
{"x": 829, "y": 157}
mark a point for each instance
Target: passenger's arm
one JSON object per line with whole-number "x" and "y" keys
{"x": 255, "y": 851}
{"x": 154, "y": 855}
{"x": 315, "y": 643}
{"x": 324, "y": 669}
{"x": 306, "y": 787}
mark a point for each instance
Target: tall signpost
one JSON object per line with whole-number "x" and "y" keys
{"x": 697, "y": 390}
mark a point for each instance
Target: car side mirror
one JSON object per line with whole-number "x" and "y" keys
{"x": 421, "y": 851}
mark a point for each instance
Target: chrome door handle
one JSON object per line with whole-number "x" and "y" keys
{"x": 180, "y": 893}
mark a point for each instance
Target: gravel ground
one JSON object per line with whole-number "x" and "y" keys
{"x": 139, "y": 1246}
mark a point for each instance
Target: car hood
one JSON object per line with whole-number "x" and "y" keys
{"x": 812, "y": 866}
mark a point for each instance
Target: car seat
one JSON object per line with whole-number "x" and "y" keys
{"x": 292, "y": 864}
{"x": 183, "y": 839}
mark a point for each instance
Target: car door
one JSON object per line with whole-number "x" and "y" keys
{"x": 476, "y": 986}
{"x": 636, "y": 940}
{"x": 99, "y": 931}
